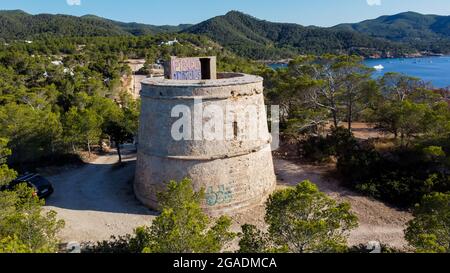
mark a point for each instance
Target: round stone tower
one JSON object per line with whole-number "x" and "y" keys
{"x": 181, "y": 125}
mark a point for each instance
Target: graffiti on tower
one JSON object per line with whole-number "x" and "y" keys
{"x": 185, "y": 69}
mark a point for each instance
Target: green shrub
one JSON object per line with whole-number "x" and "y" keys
{"x": 401, "y": 177}
{"x": 429, "y": 231}
{"x": 320, "y": 148}
{"x": 122, "y": 244}
{"x": 182, "y": 227}
{"x": 314, "y": 148}
{"x": 24, "y": 226}
{"x": 361, "y": 248}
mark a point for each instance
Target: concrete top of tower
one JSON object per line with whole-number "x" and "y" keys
{"x": 223, "y": 79}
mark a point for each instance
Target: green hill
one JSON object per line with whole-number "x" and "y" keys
{"x": 424, "y": 32}
{"x": 261, "y": 39}
{"x": 138, "y": 29}
{"x": 20, "y": 25}
{"x": 395, "y": 35}
{"x": 16, "y": 24}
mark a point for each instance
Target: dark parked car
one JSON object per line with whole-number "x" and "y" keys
{"x": 43, "y": 188}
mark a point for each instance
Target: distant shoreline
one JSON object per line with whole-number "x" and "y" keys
{"x": 412, "y": 66}
{"x": 271, "y": 62}
{"x": 410, "y": 56}
{"x": 420, "y": 55}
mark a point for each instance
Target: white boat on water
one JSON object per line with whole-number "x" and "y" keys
{"x": 379, "y": 67}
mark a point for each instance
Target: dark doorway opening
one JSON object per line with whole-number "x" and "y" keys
{"x": 206, "y": 68}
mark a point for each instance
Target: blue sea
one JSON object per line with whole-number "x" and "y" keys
{"x": 430, "y": 69}
{"x": 435, "y": 70}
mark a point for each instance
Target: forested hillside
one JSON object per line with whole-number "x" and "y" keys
{"x": 387, "y": 36}
{"x": 17, "y": 24}
{"x": 137, "y": 28}
{"x": 251, "y": 37}
{"x": 424, "y": 32}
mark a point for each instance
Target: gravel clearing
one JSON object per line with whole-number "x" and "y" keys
{"x": 96, "y": 201}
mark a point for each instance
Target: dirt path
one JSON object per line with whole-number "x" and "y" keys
{"x": 96, "y": 201}
{"x": 133, "y": 83}
{"x": 377, "y": 221}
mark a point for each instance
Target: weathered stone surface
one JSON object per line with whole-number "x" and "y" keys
{"x": 193, "y": 68}
{"x": 236, "y": 172}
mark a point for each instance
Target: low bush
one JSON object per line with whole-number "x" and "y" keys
{"x": 401, "y": 176}
{"x": 428, "y": 232}
{"x": 361, "y": 248}
{"x": 122, "y": 244}
{"x": 321, "y": 148}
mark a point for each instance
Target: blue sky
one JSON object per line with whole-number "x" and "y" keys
{"x": 159, "y": 12}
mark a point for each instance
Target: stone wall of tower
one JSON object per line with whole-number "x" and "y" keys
{"x": 236, "y": 172}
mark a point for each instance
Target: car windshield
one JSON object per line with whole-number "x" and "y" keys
{"x": 39, "y": 181}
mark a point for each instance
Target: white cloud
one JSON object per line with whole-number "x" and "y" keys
{"x": 74, "y": 2}
{"x": 374, "y": 2}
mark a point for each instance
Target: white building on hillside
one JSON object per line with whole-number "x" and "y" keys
{"x": 170, "y": 43}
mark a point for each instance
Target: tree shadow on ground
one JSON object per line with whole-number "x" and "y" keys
{"x": 103, "y": 186}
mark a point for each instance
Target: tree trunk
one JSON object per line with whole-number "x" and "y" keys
{"x": 89, "y": 148}
{"x": 118, "y": 152}
{"x": 350, "y": 117}
{"x": 335, "y": 120}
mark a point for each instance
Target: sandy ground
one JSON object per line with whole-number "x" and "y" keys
{"x": 133, "y": 84}
{"x": 362, "y": 130}
{"x": 137, "y": 86}
{"x": 97, "y": 201}
{"x": 377, "y": 221}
